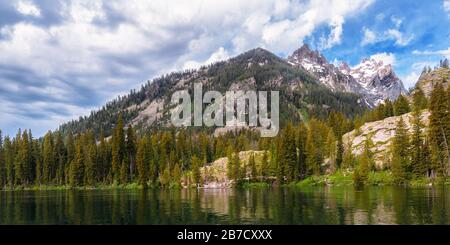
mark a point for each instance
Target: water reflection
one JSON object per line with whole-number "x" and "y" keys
{"x": 346, "y": 205}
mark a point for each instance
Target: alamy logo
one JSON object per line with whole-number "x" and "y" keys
{"x": 241, "y": 109}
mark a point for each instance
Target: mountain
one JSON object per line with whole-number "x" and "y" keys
{"x": 372, "y": 79}
{"x": 377, "y": 79}
{"x": 301, "y": 94}
{"x": 429, "y": 77}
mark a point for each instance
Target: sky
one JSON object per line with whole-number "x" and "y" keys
{"x": 61, "y": 59}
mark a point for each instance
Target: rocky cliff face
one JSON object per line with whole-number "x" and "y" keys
{"x": 381, "y": 133}
{"x": 372, "y": 79}
{"x": 214, "y": 175}
{"x": 428, "y": 79}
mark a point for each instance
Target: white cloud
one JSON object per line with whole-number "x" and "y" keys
{"x": 380, "y": 17}
{"x": 335, "y": 35}
{"x": 443, "y": 52}
{"x": 220, "y": 55}
{"x": 387, "y": 58}
{"x": 28, "y": 8}
{"x": 446, "y": 5}
{"x": 149, "y": 38}
{"x": 400, "y": 38}
{"x": 410, "y": 79}
{"x": 397, "y": 21}
{"x": 369, "y": 37}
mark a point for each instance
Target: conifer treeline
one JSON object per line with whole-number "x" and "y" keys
{"x": 420, "y": 151}
{"x": 172, "y": 157}
{"x": 158, "y": 158}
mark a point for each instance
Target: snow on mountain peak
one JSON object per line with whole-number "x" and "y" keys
{"x": 368, "y": 69}
{"x": 372, "y": 78}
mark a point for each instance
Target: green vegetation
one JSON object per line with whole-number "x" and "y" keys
{"x": 308, "y": 152}
{"x": 255, "y": 185}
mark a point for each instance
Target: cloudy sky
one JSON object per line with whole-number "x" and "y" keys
{"x": 61, "y": 59}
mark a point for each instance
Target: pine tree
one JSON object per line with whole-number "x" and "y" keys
{"x": 48, "y": 159}
{"x": 420, "y": 101}
{"x": 417, "y": 157}
{"x": 89, "y": 169}
{"x": 153, "y": 149}
{"x": 315, "y": 146}
{"x": 76, "y": 165}
{"x": 264, "y": 167}
{"x": 368, "y": 145}
{"x": 400, "y": 152}
{"x": 238, "y": 173}
{"x": 439, "y": 125}
{"x": 273, "y": 163}
{"x": 277, "y": 157}
{"x": 103, "y": 159}
{"x": 38, "y": 170}
{"x": 252, "y": 164}
{"x": 165, "y": 177}
{"x": 71, "y": 151}
{"x": 183, "y": 149}
{"x": 435, "y": 164}
{"x": 17, "y": 158}
{"x": 196, "y": 170}
{"x": 348, "y": 159}
{"x": 59, "y": 157}
{"x": 36, "y": 156}
{"x": 118, "y": 149}
{"x": 398, "y": 171}
{"x": 204, "y": 148}
{"x": 301, "y": 143}
{"x": 425, "y": 166}
{"x": 230, "y": 172}
{"x": 331, "y": 150}
{"x": 401, "y": 105}
{"x": 131, "y": 149}
{"x": 362, "y": 172}
{"x": 124, "y": 172}
{"x": 25, "y": 159}
{"x": 141, "y": 163}
{"x": 388, "y": 109}
{"x": 176, "y": 177}
{"x": 8, "y": 156}
{"x": 288, "y": 153}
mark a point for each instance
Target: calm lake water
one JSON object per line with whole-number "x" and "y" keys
{"x": 317, "y": 205}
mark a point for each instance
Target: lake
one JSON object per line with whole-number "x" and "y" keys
{"x": 312, "y": 205}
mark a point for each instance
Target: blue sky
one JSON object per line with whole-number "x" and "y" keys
{"x": 61, "y": 59}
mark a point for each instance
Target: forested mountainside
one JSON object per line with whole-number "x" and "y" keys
{"x": 301, "y": 94}
{"x": 404, "y": 140}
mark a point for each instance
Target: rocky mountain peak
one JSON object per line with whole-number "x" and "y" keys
{"x": 305, "y": 56}
{"x": 428, "y": 79}
{"x": 369, "y": 68}
{"x": 372, "y": 78}
{"x": 344, "y": 67}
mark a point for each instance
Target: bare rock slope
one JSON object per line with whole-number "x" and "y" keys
{"x": 381, "y": 133}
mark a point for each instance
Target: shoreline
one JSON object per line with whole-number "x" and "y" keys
{"x": 337, "y": 179}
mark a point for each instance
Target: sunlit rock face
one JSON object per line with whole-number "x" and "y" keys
{"x": 381, "y": 133}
